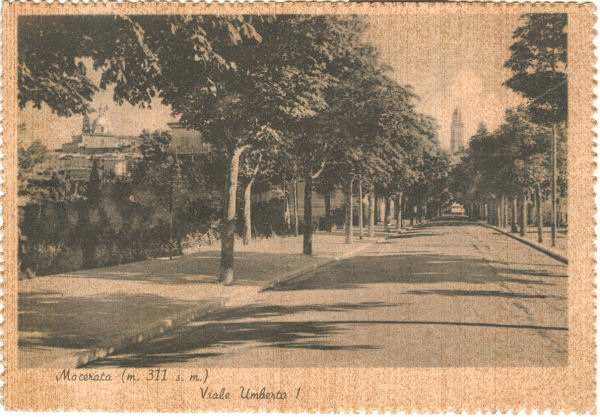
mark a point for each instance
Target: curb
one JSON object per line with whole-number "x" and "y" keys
{"x": 289, "y": 277}
{"x": 551, "y": 253}
{"x": 83, "y": 358}
{"x": 77, "y": 360}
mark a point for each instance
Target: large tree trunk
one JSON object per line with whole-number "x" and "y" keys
{"x": 498, "y": 214}
{"x": 506, "y": 209}
{"x": 399, "y": 218}
{"x": 295, "y": 190}
{"x": 308, "y": 227}
{"x": 388, "y": 214}
{"x": 485, "y": 212}
{"x": 248, "y": 205}
{"x": 513, "y": 220}
{"x": 170, "y": 232}
{"x": 540, "y": 220}
{"x": 504, "y": 212}
{"x": 228, "y": 230}
{"x": 287, "y": 218}
{"x": 328, "y": 220}
{"x": 360, "y": 209}
{"x": 248, "y": 212}
{"x": 348, "y": 223}
{"x": 372, "y": 213}
{"x": 523, "y": 214}
{"x": 500, "y": 211}
{"x": 381, "y": 209}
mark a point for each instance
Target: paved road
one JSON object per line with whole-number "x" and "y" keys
{"x": 449, "y": 294}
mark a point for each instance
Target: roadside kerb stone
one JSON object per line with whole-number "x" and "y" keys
{"x": 81, "y": 359}
{"x": 551, "y": 253}
{"x": 290, "y": 276}
{"x": 244, "y": 295}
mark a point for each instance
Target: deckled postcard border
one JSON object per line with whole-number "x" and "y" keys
{"x": 569, "y": 389}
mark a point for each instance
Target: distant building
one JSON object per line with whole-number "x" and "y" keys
{"x": 115, "y": 153}
{"x": 96, "y": 138}
{"x": 457, "y": 138}
{"x": 77, "y": 166}
{"x": 457, "y": 208}
{"x": 116, "y": 164}
{"x": 187, "y": 142}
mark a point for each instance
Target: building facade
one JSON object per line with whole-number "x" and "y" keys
{"x": 186, "y": 142}
{"x": 97, "y": 138}
{"x": 117, "y": 154}
{"x": 114, "y": 153}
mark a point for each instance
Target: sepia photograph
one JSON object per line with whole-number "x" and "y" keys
{"x": 292, "y": 191}
{"x": 280, "y": 207}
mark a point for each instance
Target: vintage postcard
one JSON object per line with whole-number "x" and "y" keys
{"x": 298, "y": 207}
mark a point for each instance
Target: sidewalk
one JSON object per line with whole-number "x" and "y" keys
{"x": 66, "y": 320}
{"x": 531, "y": 236}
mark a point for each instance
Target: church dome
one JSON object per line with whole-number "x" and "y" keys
{"x": 101, "y": 125}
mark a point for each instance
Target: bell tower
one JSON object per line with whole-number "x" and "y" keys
{"x": 457, "y": 141}
{"x": 86, "y": 126}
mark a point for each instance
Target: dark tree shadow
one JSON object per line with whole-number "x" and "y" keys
{"x": 417, "y": 267}
{"x": 180, "y": 344}
{"x": 449, "y": 221}
{"x": 408, "y": 235}
{"x": 468, "y": 293}
{"x": 52, "y": 320}
{"x": 198, "y": 268}
{"x": 187, "y": 342}
{"x": 264, "y": 311}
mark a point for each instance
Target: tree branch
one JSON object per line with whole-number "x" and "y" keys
{"x": 319, "y": 172}
{"x": 257, "y": 167}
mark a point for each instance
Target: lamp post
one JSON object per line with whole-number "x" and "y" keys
{"x": 553, "y": 224}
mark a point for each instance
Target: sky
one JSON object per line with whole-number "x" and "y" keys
{"x": 451, "y": 61}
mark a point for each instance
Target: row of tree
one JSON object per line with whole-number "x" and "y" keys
{"x": 280, "y": 99}
{"x": 524, "y": 159}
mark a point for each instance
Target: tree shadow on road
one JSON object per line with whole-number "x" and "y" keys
{"x": 49, "y": 319}
{"x": 204, "y": 340}
{"x": 408, "y": 235}
{"x": 182, "y": 343}
{"x": 414, "y": 268}
{"x": 448, "y": 222}
{"x": 475, "y": 293}
{"x": 263, "y": 311}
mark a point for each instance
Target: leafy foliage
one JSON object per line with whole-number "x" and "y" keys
{"x": 297, "y": 96}
{"x": 538, "y": 61}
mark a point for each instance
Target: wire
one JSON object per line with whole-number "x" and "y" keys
{"x": 548, "y": 91}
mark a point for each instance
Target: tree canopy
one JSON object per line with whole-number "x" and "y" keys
{"x": 288, "y": 96}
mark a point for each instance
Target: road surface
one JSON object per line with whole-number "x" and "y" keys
{"x": 451, "y": 294}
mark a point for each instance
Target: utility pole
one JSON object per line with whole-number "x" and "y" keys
{"x": 349, "y": 216}
{"x": 360, "y": 208}
{"x": 554, "y": 140}
{"x": 553, "y": 162}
